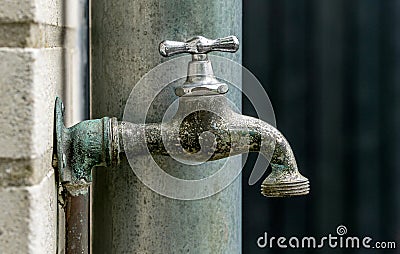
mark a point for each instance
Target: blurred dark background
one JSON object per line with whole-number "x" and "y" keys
{"x": 332, "y": 71}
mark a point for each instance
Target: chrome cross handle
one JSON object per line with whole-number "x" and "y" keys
{"x": 200, "y": 80}
{"x": 199, "y": 45}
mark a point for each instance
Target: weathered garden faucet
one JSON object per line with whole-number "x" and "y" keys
{"x": 203, "y": 109}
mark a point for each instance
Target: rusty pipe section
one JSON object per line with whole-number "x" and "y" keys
{"x": 77, "y": 222}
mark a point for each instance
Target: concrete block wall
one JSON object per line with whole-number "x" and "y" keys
{"x": 31, "y": 75}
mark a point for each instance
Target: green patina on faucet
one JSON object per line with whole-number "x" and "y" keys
{"x": 99, "y": 142}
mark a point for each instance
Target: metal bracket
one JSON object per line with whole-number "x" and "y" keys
{"x": 81, "y": 147}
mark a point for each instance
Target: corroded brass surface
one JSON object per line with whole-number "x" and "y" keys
{"x": 232, "y": 133}
{"x": 81, "y": 147}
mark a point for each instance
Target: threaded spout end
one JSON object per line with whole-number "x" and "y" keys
{"x": 286, "y": 189}
{"x": 285, "y": 183}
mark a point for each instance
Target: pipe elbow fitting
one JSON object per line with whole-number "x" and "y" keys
{"x": 81, "y": 147}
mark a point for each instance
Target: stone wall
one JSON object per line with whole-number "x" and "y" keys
{"x": 31, "y": 75}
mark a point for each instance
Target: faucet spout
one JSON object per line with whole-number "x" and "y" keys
{"x": 285, "y": 179}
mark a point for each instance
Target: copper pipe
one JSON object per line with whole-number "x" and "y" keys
{"x": 77, "y": 223}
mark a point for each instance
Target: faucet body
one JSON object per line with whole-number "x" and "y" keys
{"x": 204, "y": 128}
{"x": 204, "y": 135}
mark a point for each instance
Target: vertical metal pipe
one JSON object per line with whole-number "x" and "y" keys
{"x": 128, "y": 217}
{"x": 77, "y": 104}
{"x": 77, "y": 61}
{"x": 77, "y": 223}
